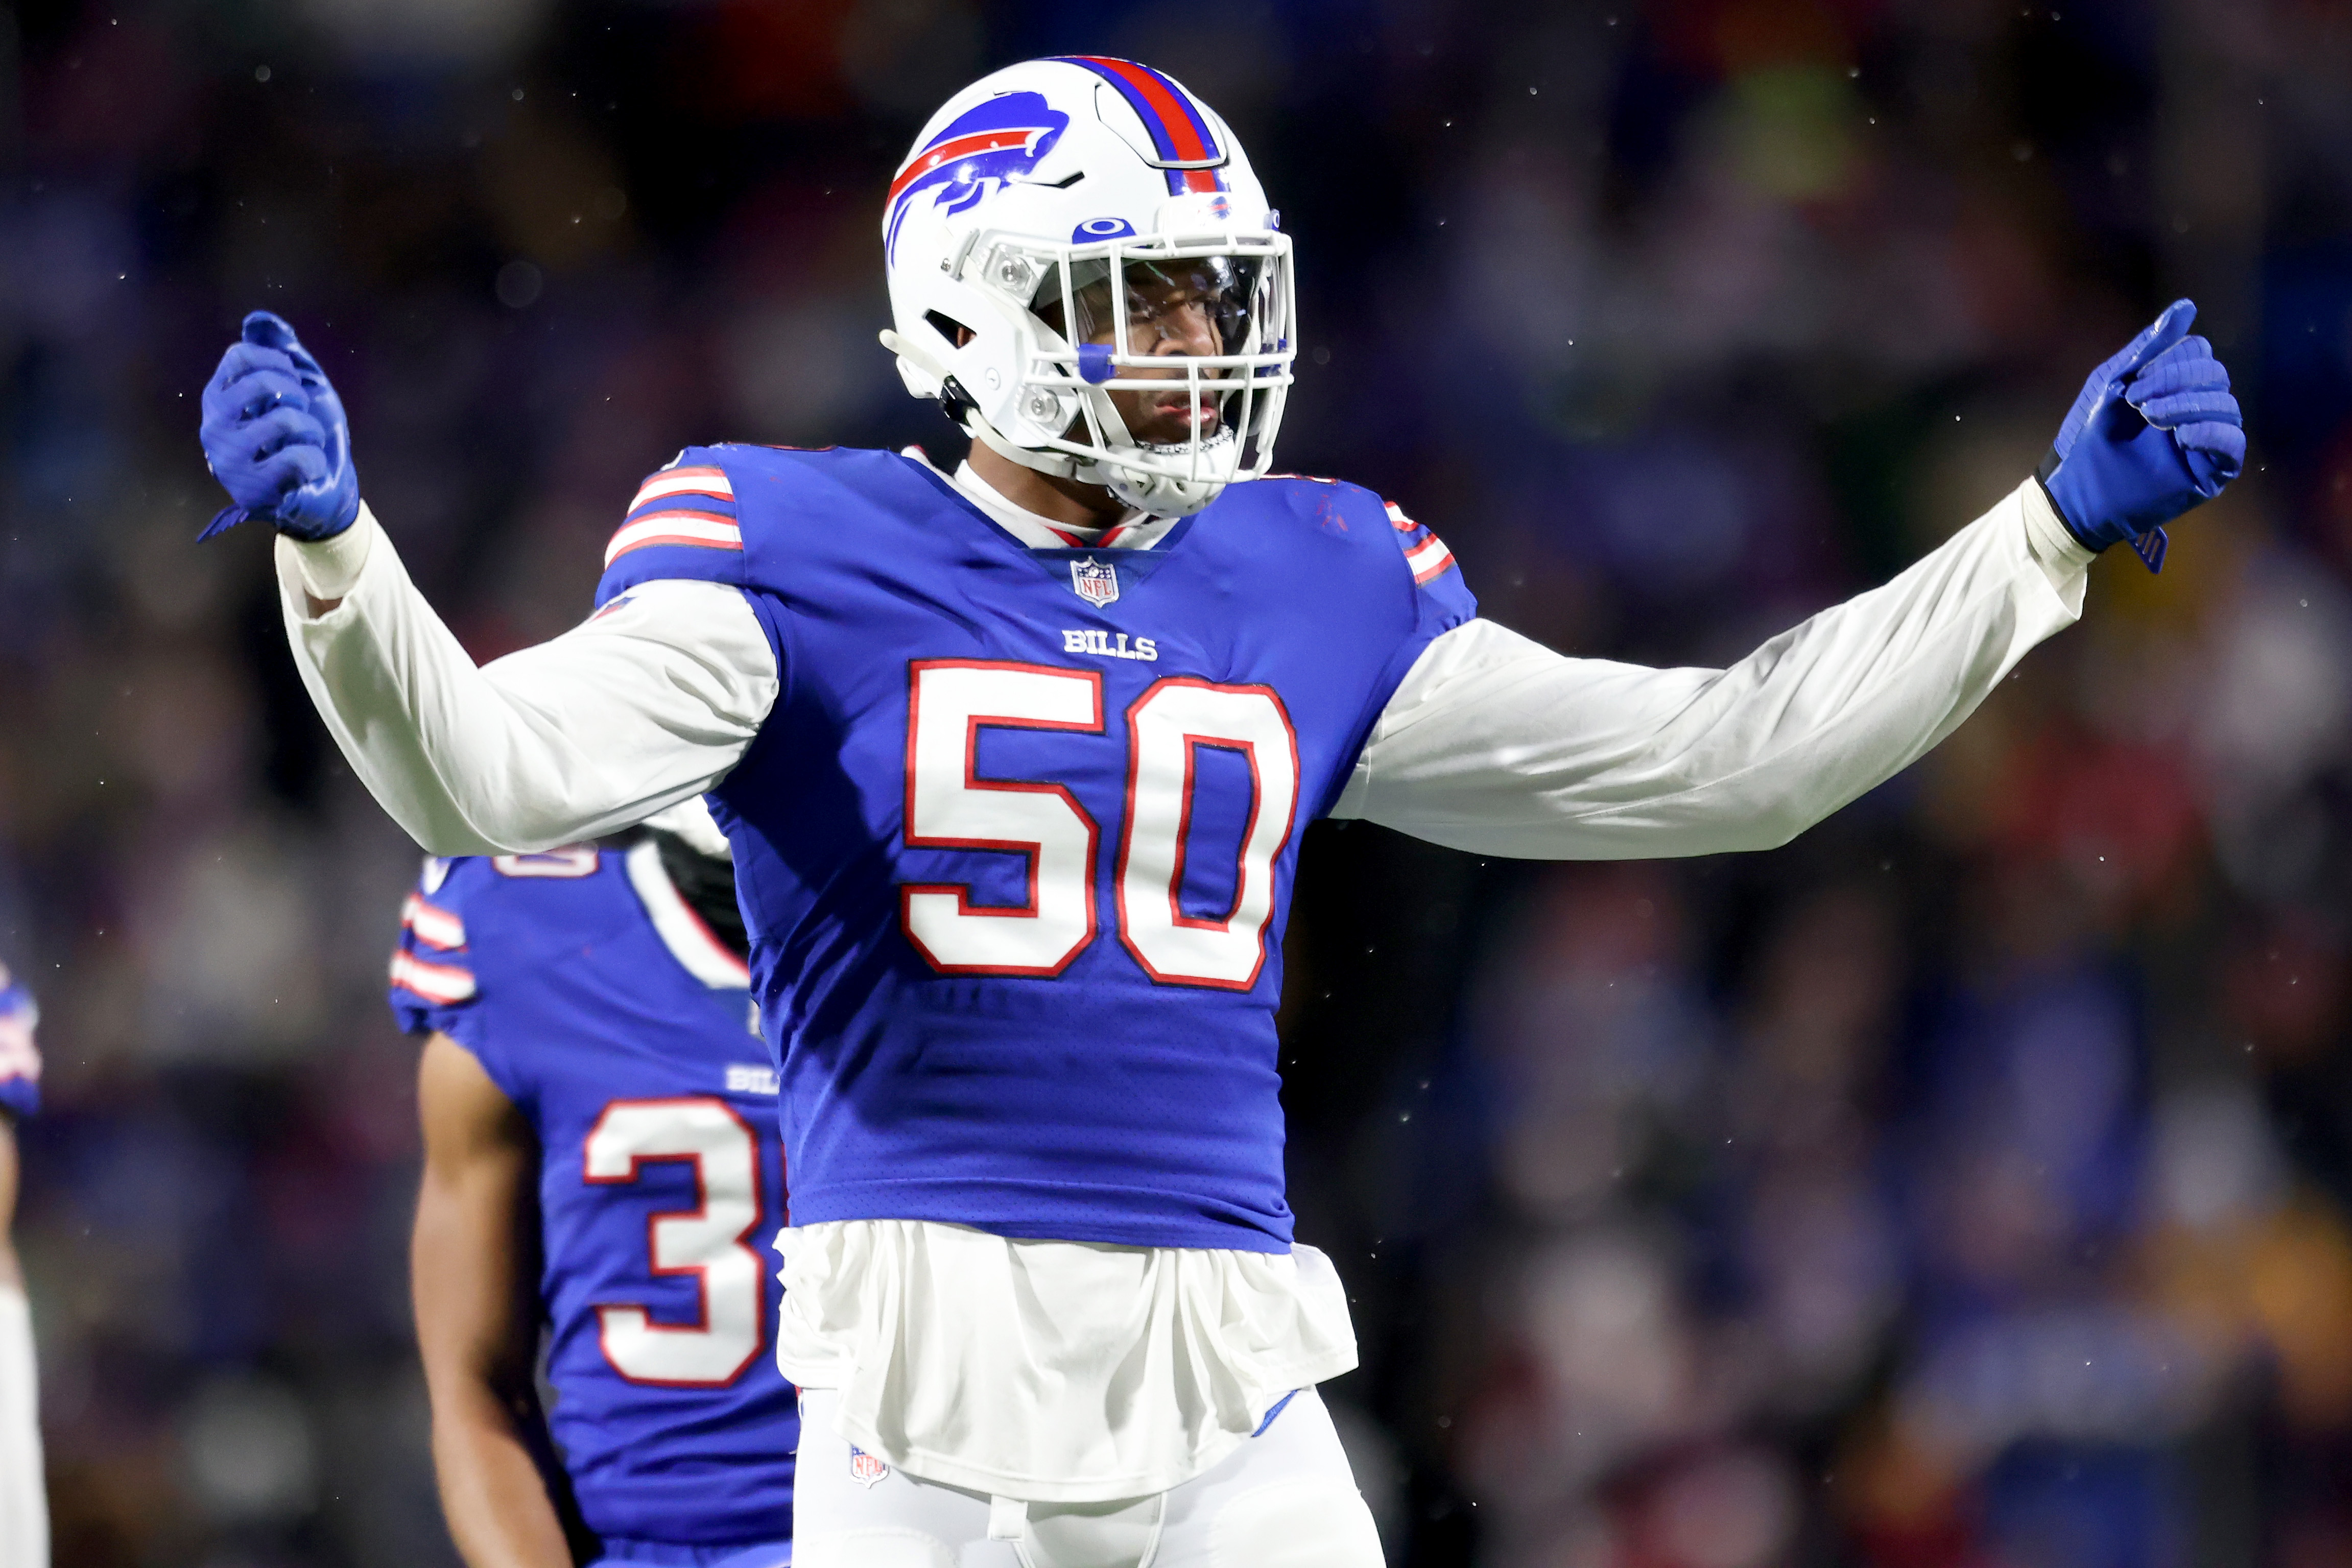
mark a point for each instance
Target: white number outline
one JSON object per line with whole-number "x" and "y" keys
{"x": 1030, "y": 849}
{"x": 635, "y": 1314}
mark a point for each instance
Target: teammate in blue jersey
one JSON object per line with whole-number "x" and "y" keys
{"x": 1015, "y": 761}
{"x": 601, "y": 1164}
{"x": 23, "y": 1490}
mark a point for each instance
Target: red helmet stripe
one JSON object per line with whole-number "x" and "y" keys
{"x": 1180, "y": 131}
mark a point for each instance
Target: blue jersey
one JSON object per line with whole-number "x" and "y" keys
{"x": 1015, "y": 843}
{"x": 20, "y": 1058}
{"x": 597, "y": 1000}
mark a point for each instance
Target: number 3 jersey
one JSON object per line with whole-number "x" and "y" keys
{"x": 597, "y": 1000}
{"x": 1015, "y": 843}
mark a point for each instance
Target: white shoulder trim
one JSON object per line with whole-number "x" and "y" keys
{"x": 689, "y": 941}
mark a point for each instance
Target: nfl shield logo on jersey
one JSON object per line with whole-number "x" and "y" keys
{"x": 1095, "y": 581}
{"x": 864, "y": 1468}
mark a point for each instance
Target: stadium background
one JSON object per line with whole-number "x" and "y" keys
{"x": 1965, "y": 1185}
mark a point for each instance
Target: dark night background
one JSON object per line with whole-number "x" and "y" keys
{"x": 1963, "y": 1186}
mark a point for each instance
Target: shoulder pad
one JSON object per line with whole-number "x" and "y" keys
{"x": 1423, "y": 550}
{"x": 431, "y": 966}
{"x": 688, "y": 506}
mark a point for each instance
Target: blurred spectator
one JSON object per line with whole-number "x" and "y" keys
{"x": 1967, "y": 1186}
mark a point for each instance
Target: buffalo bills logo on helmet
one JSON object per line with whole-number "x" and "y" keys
{"x": 979, "y": 150}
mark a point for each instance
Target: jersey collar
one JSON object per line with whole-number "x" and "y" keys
{"x": 689, "y": 941}
{"x": 1133, "y": 531}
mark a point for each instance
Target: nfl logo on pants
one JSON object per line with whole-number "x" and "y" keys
{"x": 864, "y": 1469}
{"x": 1095, "y": 581}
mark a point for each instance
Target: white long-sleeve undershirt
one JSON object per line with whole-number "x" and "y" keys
{"x": 1492, "y": 742}
{"x": 1495, "y": 744}
{"x": 644, "y": 704}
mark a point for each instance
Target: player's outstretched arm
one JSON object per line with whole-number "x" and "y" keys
{"x": 472, "y": 1273}
{"x": 643, "y": 706}
{"x": 1497, "y": 745}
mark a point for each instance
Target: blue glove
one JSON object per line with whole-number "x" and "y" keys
{"x": 2154, "y": 433}
{"x": 275, "y": 437}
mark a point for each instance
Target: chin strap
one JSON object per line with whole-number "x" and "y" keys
{"x": 1150, "y": 496}
{"x": 964, "y": 410}
{"x": 1059, "y": 464}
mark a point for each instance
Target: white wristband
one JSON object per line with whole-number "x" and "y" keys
{"x": 2054, "y": 548}
{"x": 330, "y": 568}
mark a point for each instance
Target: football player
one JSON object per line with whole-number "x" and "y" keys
{"x": 1015, "y": 761}
{"x": 600, "y": 1163}
{"x": 23, "y": 1487}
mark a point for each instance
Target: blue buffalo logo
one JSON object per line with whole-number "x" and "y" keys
{"x": 977, "y": 154}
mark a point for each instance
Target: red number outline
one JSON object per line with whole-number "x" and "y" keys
{"x": 1027, "y": 849}
{"x": 1184, "y": 828}
{"x": 701, "y": 1271}
{"x": 1247, "y": 751}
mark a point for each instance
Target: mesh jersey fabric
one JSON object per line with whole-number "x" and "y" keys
{"x": 1110, "y": 1099}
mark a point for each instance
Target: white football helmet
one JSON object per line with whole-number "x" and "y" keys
{"x": 1024, "y": 197}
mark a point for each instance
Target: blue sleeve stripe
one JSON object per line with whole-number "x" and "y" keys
{"x": 701, "y": 508}
{"x": 660, "y": 561}
{"x": 705, "y": 480}
{"x": 697, "y": 503}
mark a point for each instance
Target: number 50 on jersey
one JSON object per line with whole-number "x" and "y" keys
{"x": 951, "y": 702}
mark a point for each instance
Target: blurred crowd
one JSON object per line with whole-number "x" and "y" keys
{"x": 1967, "y": 1186}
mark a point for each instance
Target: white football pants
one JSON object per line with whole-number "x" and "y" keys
{"x": 1285, "y": 1499}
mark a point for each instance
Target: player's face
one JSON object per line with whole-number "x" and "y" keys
{"x": 1174, "y": 310}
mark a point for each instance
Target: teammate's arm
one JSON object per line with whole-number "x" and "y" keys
{"x": 472, "y": 1275}
{"x": 650, "y": 703}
